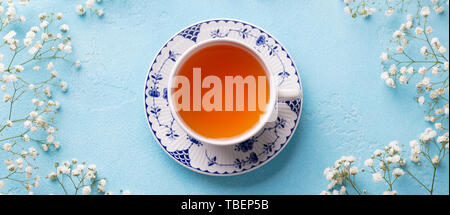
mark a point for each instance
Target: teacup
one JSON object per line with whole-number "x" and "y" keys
{"x": 270, "y": 113}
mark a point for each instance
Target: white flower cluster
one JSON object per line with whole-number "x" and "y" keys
{"x": 389, "y": 162}
{"x": 366, "y": 8}
{"x": 76, "y": 177}
{"x": 89, "y": 4}
{"x": 363, "y": 9}
{"x": 341, "y": 174}
{"x": 400, "y": 66}
{"x": 83, "y": 177}
{"x": 20, "y": 59}
{"x": 401, "y": 70}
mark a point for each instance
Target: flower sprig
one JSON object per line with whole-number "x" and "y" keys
{"x": 365, "y": 8}
{"x": 21, "y": 59}
{"x": 342, "y": 175}
{"x": 77, "y": 177}
{"x": 91, "y": 6}
{"x": 401, "y": 65}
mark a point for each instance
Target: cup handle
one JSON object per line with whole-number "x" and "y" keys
{"x": 285, "y": 95}
{"x": 289, "y": 94}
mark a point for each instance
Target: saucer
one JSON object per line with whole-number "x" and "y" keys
{"x": 222, "y": 160}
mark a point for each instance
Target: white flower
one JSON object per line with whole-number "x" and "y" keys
{"x": 80, "y": 10}
{"x": 419, "y": 31}
{"x": 384, "y": 57}
{"x": 378, "y": 152}
{"x": 415, "y": 158}
{"x": 390, "y": 82}
{"x": 19, "y": 68}
{"x": 398, "y": 173}
{"x": 47, "y": 92}
{"x": 422, "y": 70}
{"x": 7, "y": 147}
{"x": 435, "y": 42}
{"x": 44, "y": 147}
{"x": 9, "y": 37}
{"x": 126, "y": 192}
{"x": 377, "y": 177}
{"x": 425, "y": 11}
{"x": 443, "y": 138}
{"x": 403, "y": 70}
{"x": 44, "y": 24}
{"x": 33, "y": 114}
{"x": 384, "y": 76}
{"x": 6, "y": 98}
{"x": 442, "y": 50}
{"x": 92, "y": 167}
{"x": 413, "y": 143}
{"x": 9, "y": 123}
{"x": 89, "y": 3}
{"x": 86, "y": 190}
{"x": 424, "y": 50}
{"x": 64, "y": 28}
{"x": 28, "y": 124}
{"x": 403, "y": 79}
{"x": 52, "y": 175}
{"x": 389, "y": 12}
{"x": 353, "y": 170}
{"x": 102, "y": 182}
{"x": 390, "y": 192}
{"x": 409, "y": 18}
{"x": 29, "y": 171}
{"x": 59, "y": 16}
{"x": 50, "y": 130}
{"x": 438, "y": 126}
{"x": 427, "y": 135}
{"x": 76, "y": 172}
{"x": 415, "y": 150}
{"x": 393, "y": 69}
{"x": 62, "y": 169}
{"x": 439, "y": 9}
{"x": 435, "y": 71}
{"x": 323, "y": 193}
{"x": 63, "y": 86}
{"x": 368, "y": 162}
{"x": 50, "y": 138}
{"x": 435, "y": 160}
{"x": 50, "y": 66}
{"x": 398, "y": 34}
{"x": 408, "y": 25}
{"x": 99, "y": 12}
{"x": 42, "y": 16}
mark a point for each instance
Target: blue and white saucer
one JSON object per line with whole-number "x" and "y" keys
{"x": 223, "y": 160}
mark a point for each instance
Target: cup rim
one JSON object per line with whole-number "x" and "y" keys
{"x": 249, "y": 133}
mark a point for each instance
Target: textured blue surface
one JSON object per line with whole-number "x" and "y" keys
{"x": 347, "y": 109}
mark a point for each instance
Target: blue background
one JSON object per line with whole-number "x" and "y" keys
{"x": 348, "y": 110}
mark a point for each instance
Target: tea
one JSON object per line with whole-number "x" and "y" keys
{"x": 227, "y": 91}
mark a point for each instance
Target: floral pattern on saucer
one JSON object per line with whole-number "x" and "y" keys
{"x": 221, "y": 160}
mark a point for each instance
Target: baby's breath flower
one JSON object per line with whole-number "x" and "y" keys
{"x": 80, "y": 10}
{"x": 377, "y": 177}
{"x": 397, "y": 173}
{"x": 425, "y": 11}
